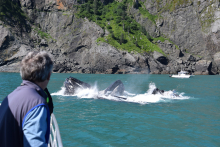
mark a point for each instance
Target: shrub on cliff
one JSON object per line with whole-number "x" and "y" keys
{"x": 11, "y": 14}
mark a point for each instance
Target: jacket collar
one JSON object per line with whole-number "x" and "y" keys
{"x": 34, "y": 86}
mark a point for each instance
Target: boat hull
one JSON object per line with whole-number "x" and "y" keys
{"x": 178, "y": 76}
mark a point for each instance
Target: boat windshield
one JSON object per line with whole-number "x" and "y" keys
{"x": 182, "y": 72}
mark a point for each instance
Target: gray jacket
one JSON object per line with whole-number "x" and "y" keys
{"x": 15, "y": 107}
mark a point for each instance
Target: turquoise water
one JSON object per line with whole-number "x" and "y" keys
{"x": 191, "y": 120}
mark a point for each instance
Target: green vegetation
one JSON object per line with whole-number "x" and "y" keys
{"x": 207, "y": 18}
{"x": 145, "y": 13}
{"x": 198, "y": 56}
{"x": 171, "y": 5}
{"x": 125, "y": 32}
{"x": 162, "y": 39}
{"x": 42, "y": 34}
{"x": 65, "y": 14}
{"x": 11, "y": 13}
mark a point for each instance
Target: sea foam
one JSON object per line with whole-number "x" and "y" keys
{"x": 145, "y": 98}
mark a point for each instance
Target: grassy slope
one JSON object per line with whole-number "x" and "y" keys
{"x": 113, "y": 17}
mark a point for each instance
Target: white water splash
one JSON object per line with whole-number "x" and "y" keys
{"x": 145, "y": 98}
{"x": 85, "y": 93}
{"x": 88, "y": 93}
{"x": 148, "y": 97}
{"x": 60, "y": 92}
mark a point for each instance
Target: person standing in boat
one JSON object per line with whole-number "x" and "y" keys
{"x": 25, "y": 113}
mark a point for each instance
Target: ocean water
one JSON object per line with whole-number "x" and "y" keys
{"x": 190, "y": 120}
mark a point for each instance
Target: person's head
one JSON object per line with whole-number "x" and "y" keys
{"x": 36, "y": 66}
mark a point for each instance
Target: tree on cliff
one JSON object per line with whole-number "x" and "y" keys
{"x": 122, "y": 38}
{"x": 12, "y": 14}
{"x": 95, "y": 4}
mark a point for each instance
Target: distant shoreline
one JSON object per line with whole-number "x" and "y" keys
{"x": 108, "y": 74}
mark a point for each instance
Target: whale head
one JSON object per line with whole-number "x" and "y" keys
{"x": 72, "y": 85}
{"x": 115, "y": 89}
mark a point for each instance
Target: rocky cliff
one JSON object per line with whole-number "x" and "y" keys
{"x": 191, "y": 26}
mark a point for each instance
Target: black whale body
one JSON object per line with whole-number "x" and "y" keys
{"x": 116, "y": 89}
{"x": 72, "y": 85}
{"x": 158, "y": 91}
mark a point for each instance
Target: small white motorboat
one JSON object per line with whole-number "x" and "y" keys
{"x": 181, "y": 74}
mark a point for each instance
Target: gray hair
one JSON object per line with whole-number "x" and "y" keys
{"x": 36, "y": 66}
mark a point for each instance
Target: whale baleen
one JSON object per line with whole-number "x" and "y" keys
{"x": 72, "y": 85}
{"x": 116, "y": 90}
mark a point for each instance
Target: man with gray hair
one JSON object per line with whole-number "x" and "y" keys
{"x": 25, "y": 113}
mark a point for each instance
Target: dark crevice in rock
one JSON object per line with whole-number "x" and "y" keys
{"x": 181, "y": 54}
{"x": 115, "y": 69}
{"x": 210, "y": 69}
{"x": 80, "y": 47}
{"x": 163, "y": 60}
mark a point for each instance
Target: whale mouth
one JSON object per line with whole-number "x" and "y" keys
{"x": 72, "y": 85}
{"x": 116, "y": 89}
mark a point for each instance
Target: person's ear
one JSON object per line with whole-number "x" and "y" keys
{"x": 48, "y": 77}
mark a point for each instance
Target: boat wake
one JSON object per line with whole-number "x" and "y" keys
{"x": 148, "y": 97}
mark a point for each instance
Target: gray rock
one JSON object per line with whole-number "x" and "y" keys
{"x": 179, "y": 61}
{"x": 217, "y": 59}
{"x": 43, "y": 42}
{"x": 159, "y": 22}
{"x": 154, "y": 67}
{"x": 191, "y": 58}
{"x": 4, "y": 36}
{"x": 190, "y": 27}
{"x": 203, "y": 66}
{"x": 160, "y": 57}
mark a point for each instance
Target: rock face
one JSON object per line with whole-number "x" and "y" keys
{"x": 217, "y": 60}
{"x": 192, "y": 28}
{"x": 203, "y": 66}
{"x": 6, "y": 39}
{"x": 160, "y": 57}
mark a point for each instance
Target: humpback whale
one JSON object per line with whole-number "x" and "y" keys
{"x": 158, "y": 91}
{"x": 72, "y": 85}
{"x": 116, "y": 89}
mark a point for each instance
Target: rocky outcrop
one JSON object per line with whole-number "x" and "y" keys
{"x": 7, "y": 44}
{"x": 203, "y": 67}
{"x": 217, "y": 59}
{"x": 46, "y": 5}
{"x": 193, "y": 26}
{"x": 160, "y": 57}
{"x": 72, "y": 42}
{"x": 192, "y": 44}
